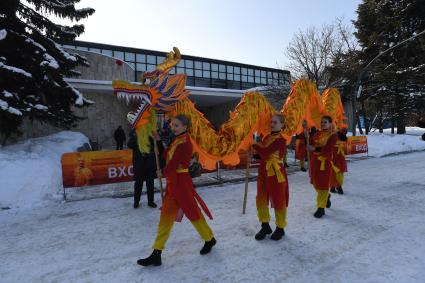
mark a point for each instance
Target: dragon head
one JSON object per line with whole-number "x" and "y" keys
{"x": 158, "y": 91}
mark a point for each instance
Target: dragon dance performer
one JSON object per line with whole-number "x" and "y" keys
{"x": 339, "y": 162}
{"x": 272, "y": 182}
{"x": 180, "y": 195}
{"x": 321, "y": 151}
{"x": 301, "y": 150}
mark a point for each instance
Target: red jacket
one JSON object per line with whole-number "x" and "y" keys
{"x": 179, "y": 183}
{"x": 321, "y": 158}
{"x": 272, "y": 175}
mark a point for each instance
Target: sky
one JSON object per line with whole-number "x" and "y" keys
{"x": 250, "y": 32}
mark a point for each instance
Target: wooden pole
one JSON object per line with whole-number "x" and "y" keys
{"x": 307, "y": 140}
{"x": 245, "y": 196}
{"x": 158, "y": 167}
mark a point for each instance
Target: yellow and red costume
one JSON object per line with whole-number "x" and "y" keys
{"x": 272, "y": 182}
{"x": 180, "y": 195}
{"x": 340, "y": 164}
{"x": 321, "y": 164}
{"x": 300, "y": 149}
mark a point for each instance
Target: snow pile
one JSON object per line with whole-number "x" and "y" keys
{"x": 3, "y": 34}
{"x": 30, "y": 172}
{"x": 386, "y": 143}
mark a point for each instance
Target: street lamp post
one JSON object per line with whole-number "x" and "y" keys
{"x": 358, "y": 87}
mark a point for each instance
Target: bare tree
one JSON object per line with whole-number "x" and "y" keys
{"x": 312, "y": 52}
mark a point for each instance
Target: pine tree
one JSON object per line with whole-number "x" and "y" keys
{"x": 33, "y": 65}
{"x": 396, "y": 81}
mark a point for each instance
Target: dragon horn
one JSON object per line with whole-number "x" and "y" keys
{"x": 172, "y": 59}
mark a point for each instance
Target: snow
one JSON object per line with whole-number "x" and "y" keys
{"x": 3, "y": 105}
{"x": 50, "y": 61}
{"x": 15, "y": 70}
{"x": 386, "y": 143}
{"x": 64, "y": 53}
{"x": 31, "y": 41}
{"x": 7, "y": 94}
{"x": 372, "y": 233}
{"x": 30, "y": 172}
{"x": 14, "y": 111}
{"x": 41, "y": 107}
{"x": 3, "y": 34}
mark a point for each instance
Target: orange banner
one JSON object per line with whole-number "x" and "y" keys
{"x": 96, "y": 167}
{"x": 357, "y": 144}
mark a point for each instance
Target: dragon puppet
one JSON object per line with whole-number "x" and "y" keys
{"x": 159, "y": 91}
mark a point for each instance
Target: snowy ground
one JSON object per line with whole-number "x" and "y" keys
{"x": 30, "y": 171}
{"x": 373, "y": 233}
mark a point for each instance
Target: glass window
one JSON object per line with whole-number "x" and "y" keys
{"x": 160, "y": 59}
{"x": 230, "y": 69}
{"x": 275, "y": 76}
{"x": 141, "y": 67}
{"x": 198, "y": 65}
{"x": 263, "y": 81}
{"x": 257, "y": 80}
{"x": 244, "y": 71}
{"x": 244, "y": 78}
{"x": 82, "y": 48}
{"x": 107, "y": 52}
{"x": 150, "y": 68}
{"x": 269, "y": 75}
{"x": 230, "y": 77}
{"x": 214, "y": 67}
{"x": 270, "y": 81}
{"x": 237, "y": 77}
{"x": 189, "y": 63}
{"x": 189, "y": 72}
{"x": 206, "y": 66}
{"x": 132, "y": 65}
{"x": 257, "y": 73}
{"x": 222, "y": 68}
{"x": 198, "y": 73}
{"x": 222, "y": 76}
{"x": 172, "y": 71}
{"x": 96, "y": 50}
{"x": 180, "y": 70}
{"x": 214, "y": 75}
{"x": 141, "y": 58}
{"x": 119, "y": 55}
{"x": 129, "y": 56}
{"x": 68, "y": 46}
{"x": 250, "y": 79}
{"x": 206, "y": 74}
{"x": 181, "y": 63}
{"x": 237, "y": 70}
{"x": 250, "y": 72}
{"x": 151, "y": 59}
{"x": 263, "y": 74}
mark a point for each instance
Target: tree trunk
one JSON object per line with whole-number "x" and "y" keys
{"x": 359, "y": 125}
{"x": 401, "y": 124}
{"x": 380, "y": 122}
{"x": 392, "y": 125}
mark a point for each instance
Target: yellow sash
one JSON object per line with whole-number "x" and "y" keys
{"x": 273, "y": 168}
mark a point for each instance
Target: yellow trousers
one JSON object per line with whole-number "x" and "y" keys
{"x": 322, "y": 198}
{"x": 169, "y": 211}
{"x": 263, "y": 211}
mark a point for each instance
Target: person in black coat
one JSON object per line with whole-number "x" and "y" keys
{"x": 144, "y": 168}
{"x": 119, "y": 136}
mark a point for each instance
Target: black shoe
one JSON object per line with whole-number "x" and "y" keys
{"x": 135, "y": 205}
{"x": 154, "y": 259}
{"x": 152, "y": 204}
{"x": 340, "y": 191}
{"x": 303, "y": 169}
{"x": 319, "y": 213}
{"x": 333, "y": 190}
{"x": 265, "y": 230}
{"x": 278, "y": 234}
{"x": 208, "y": 246}
{"x": 328, "y": 204}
